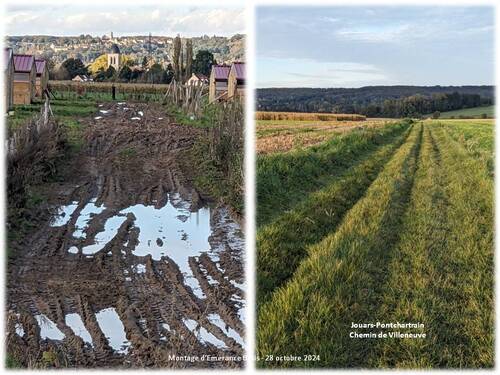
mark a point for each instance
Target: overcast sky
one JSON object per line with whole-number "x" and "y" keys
{"x": 361, "y": 46}
{"x": 124, "y": 20}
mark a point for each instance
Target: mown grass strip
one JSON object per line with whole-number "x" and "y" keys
{"x": 340, "y": 282}
{"x": 281, "y": 245}
{"x": 442, "y": 274}
{"x": 285, "y": 179}
{"x": 477, "y": 138}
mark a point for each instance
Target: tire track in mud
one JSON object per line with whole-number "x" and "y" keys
{"x": 149, "y": 267}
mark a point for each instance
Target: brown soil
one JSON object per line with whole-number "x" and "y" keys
{"x": 125, "y": 162}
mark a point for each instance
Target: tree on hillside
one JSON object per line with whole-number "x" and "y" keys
{"x": 203, "y": 62}
{"x": 176, "y": 56}
{"x": 154, "y": 74}
{"x": 100, "y": 63}
{"x": 436, "y": 115}
{"x": 125, "y": 73}
{"x": 74, "y": 67}
{"x": 168, "y": 74}
{"x": 110, "y": 73}
{"x": 189, "y": 59}
{"x": 61, "y": 74}
{"x": 145, "y": 62}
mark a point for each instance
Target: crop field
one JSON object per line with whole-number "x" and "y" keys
{"x": 475, "y": 112}
{"x": 102, "y": 90}
{"x": 387, "y": 224}
{"x": 284, "y": 135}
{"x": 302, "y": 116}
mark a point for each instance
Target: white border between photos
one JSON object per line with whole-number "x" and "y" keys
{"x": 250, "y": 31}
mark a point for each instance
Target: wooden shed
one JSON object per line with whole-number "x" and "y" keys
{"x": 9, "y": 78}
{"x": 218, "y": 82}
{"x": 24, "y": 79}
{"x": 42, "y": 77}
{"x": 236, "y": 81}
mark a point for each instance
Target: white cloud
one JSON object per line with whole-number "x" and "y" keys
{"x": 375, "y": 34}
{"x": 133, "y": 20}
{"x": 312, "y": 73}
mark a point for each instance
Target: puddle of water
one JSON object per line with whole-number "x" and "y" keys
{"x": 141, "y": 113}
{"x": 186, "y": 235}
{"x": 97, "y": 117}
{"x": 86, "y": 214}
{"x": 217, "y": 320}
{"x": 202, "y": 334}
{"x": 135, "y": 118}
{"x": 73, "y": 250}
{"x": 172, "y": 230}
{"x": 103, "y": 111}
{"x": 48, "y": 329}
{"x": 75, "y": 322}
{"x": 64, "y": 214}
{"x": 19, "y": 327}
{"x": 140, "y": 268}
{"x": 160, "y": 118}
{"x": 102, "y": 238}
{"x": 121, "y": 103}
{"x": 113, "y": 329}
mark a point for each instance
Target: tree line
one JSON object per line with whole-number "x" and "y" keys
{"x": 376, "y": 101}
{"x": 181, "y": 67}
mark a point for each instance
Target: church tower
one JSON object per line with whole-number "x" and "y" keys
{"x": 114, "y": 57}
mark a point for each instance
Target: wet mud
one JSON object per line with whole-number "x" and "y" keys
{"x": 134, "y": 268}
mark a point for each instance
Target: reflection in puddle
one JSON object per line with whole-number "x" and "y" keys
{"x": 85, "y": 216}
{"x": 113, "y": 329}
{"x": 175, "y": 232}
{"x": 102, "y": 238}
{"x": 64, "y": 214}
{"x": 203, "y": 335}
{"x": 217, "y": 320}
{"x": 75, "y": 322}
{"x": 48, "y": 329}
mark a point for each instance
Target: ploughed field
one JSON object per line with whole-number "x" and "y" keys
{"x": 135, "y": 268}
{"x": 284, "y": 135}
{"x": 386, "y": 224}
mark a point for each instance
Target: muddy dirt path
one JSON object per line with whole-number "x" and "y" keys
{"x": 135, "y": 268}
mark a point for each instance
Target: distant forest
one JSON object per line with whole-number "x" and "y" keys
{"x": 375, "y": 101}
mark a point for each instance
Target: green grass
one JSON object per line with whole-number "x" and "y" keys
{"x": 282, "y": 244}
{"x": 475, "y": 112}
{"x": 67, "y": 112}
{"x": 476, "y": 137}
{"x": 416, "y": 246}
{"x": 285, "y": 179}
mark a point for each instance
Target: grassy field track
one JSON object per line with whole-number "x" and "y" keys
{"x": 285, "y": 179}
{"x": 405, "y": 234}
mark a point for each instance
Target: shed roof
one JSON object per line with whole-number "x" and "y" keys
{"x": 239, "y": 68}
{"x": 221, "y": 72}
{"x": 40, "y": 66}
{"x": 23, "y": 63}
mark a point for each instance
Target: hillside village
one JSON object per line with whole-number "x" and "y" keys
{"x": 32, "y": 60}
{"x": 87, "y": 48}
